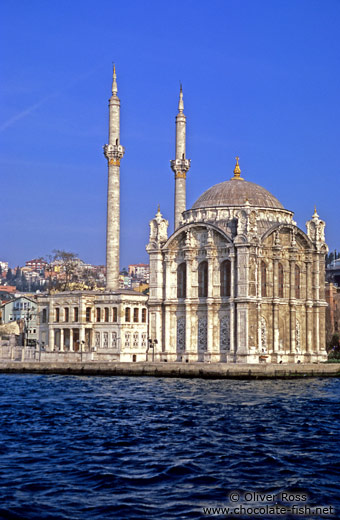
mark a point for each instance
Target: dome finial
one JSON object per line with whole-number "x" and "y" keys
{"x": 237, "y": 170}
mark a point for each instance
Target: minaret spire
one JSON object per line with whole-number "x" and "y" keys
{"x": 180, "y": 165}
{"x": 113, "y": 153}
{"x": 114, "y": 81}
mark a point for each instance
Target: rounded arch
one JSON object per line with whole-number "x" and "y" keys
{"x": 182, "y": 280}
{"x": 299, "y": 233}
{"x": 264, "y": 281}
{"x": 203, "y": 279}
{"x": 225, "y": 278}
{"x": 195, "y": 225}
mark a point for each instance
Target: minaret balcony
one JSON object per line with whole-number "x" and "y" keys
{"x": 114, "y": 152}
{"x": 180, "y": 165}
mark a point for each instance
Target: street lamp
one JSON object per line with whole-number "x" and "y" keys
{"x": 152, "y": 344}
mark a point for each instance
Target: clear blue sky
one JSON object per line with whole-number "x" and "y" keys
{"x": 261, "y": 80}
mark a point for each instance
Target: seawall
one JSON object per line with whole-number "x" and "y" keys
{"x": 192, "y": 370}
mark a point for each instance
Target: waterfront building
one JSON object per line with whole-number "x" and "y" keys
{"x": 238, "y": 280}
{"x": 111, "y": 323}
{"x": 25, "y": 311}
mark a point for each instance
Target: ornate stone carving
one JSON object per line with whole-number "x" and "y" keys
{"x": 181, "y": 334}
{"x": 202, "y": 334}
{"x": 263, "y": 334}
{"x": 114, "y": 339}
{"x": 298, "y": 336}
{"x": 158, "y": 230}
{"x": 105, "y": 339}
{"x": 225, "y": 334}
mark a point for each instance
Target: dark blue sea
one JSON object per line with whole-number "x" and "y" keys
{"x": 150, "y": 448}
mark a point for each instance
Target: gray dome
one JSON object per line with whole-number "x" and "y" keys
{"x": 235, "y": 193}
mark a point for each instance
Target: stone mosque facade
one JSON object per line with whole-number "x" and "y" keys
{"x": 237, "y": 281}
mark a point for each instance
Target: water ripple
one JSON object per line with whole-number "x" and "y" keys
{"x": 124, "y": 448}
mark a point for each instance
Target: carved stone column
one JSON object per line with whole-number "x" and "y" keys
{"x": 61, "y": 340}
{"x": 309, "y": 327}
{"x": 276, "y": 331}
{"x": 51, "y": 340}
{"x": 292, "y": 307}
{"x": 71, "y": 340}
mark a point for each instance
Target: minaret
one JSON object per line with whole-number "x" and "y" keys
{"x": 180, "y": 165}
{"x": 113, "y": 152}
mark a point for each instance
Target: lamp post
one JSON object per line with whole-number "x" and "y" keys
{"x": 152, "y": 344}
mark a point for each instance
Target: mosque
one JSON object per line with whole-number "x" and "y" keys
{"x": 236, "y": 282}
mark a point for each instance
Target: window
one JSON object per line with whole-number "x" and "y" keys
{"x": 106, "y": 340}
{"x": 182, "y": 280}
{"x": 297, "y": 281}
{"x": 263, "y": 279}
{"x": 75, "y": 314}
{"x": 88, "y": 314}
{"x": 97, "y": 340}
{"x": 225, "y": 277}
{"x": 143, "y": 340}
{"x": 203, "y": 280}
{"x": 66, "y": 313}
{"x": 106, "y": 314}
{"x": 136, "y": 315}
{"x": 127, "y": 339}
{"x": 143, "y": 315}
{"x": 98, "y": 314}
{"x": 57, "y": 314}
{"x": 280, "y": 280}
{"x": 115, "y": 314}
{"x": 135, "y": 339}
{"x": 44, "y": 316}
{"x": 127, "y": 314}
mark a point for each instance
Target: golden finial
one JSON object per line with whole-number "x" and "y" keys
{"x": 158, "y": 209}
{"x": 237, "y": 170}
{"x": 315, "y": 214}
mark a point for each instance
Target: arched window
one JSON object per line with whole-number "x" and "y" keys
{"x": 225, "y": 277}
{"x": 106, "y": 314}
{"x": 98, "y": 314}
{"x": 263, "y": 279}
{"x": 136, "y": 315}
{"x": 203, "y": 280}
{"x": 127, "y": 314}
{"x": 143, "y": 315}
{"x": 115, "y": 314}
{"x": 44, "y": 316}
{"x": 182, "y": 280}
{"x": 280, "y": 280}
{"x": 297, "y": 281}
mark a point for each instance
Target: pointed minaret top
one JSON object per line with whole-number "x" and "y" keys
{"x": 315, "y": 214}
{"x": 114, "y": 81}
{"x": 237, "y": 170}
{"x": 180, "y": 103}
